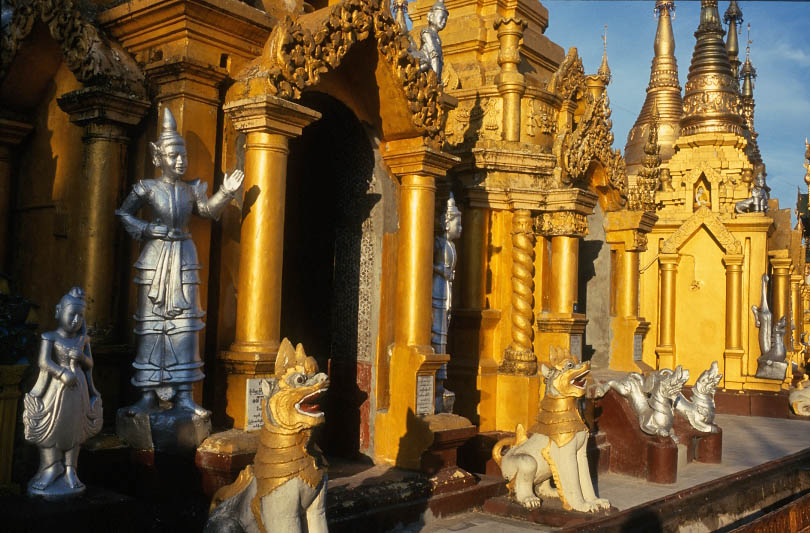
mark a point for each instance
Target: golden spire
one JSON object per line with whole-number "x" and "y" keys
{"x": 604, "y": 69}
{"x": 663, "y": 93}
{"x": 733, "y": 17}
{"x": 748, "y": 74}
{"x": 711, "y": 101}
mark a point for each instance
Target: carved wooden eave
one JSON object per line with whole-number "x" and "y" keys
{"x": 93, "y": 59}
{"x": 299, "y": 51}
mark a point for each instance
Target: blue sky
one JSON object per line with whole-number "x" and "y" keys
{"x": 780, "y": 52}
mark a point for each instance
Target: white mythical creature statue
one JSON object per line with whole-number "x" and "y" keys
{"x": 652, "y": 398}
{"x": 700, "y": 409}
{"x": 284, "y": 491}
{"x": 555, "y": 446}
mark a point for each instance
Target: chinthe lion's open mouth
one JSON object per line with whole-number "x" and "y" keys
{"x": 310, "y": 404}
{"x": 579, "y": 380}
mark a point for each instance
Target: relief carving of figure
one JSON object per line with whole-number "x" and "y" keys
{"x": 169, "y": 316}
{"x": 430, "y": 53}
{"x": 64, "y": 408}
{"x": 444, "y": 271}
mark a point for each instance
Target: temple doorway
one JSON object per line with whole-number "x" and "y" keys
{"x": 593, "y": 298}
{"x": 331, "y": 273}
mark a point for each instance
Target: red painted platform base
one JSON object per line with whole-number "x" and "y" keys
{"x": 632, "y": 452}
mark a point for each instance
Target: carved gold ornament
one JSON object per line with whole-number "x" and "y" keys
{"x": 298, "y": 56}
{"x": 87, "y": 53}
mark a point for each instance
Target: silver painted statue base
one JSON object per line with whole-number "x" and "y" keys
{"x": 162, "y": 429}
{"x": 57, "y": 491}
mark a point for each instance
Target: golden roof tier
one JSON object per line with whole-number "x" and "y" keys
{"x": 711, "y": 100}
{"x": 663, "y": 93}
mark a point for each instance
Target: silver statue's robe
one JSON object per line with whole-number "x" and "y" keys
{"x": 63, "y": 409}
{"x": 169, "y": 314}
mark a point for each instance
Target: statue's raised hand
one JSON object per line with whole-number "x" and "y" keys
{"x": 232, "y": 181}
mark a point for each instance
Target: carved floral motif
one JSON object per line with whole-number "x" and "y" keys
{"x": 87, "y": 53}
{"x": 561, "y": 223}
{"x": 569, "y": 78}
{"x": 298, "y": 56}
{"x": 592, "y": 140}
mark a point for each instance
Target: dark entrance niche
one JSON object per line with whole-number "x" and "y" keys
{"x": 593, "y": 287}
{"x": 326, "y": 292}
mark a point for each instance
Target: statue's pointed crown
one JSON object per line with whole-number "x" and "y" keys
{"x": 451, "y": 206}
{"x": 439, "y": 6}
{"x": 168, "y": 129}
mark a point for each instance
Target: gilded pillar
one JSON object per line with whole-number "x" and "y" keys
{"x": 509, "y": 81}
{"x": 626, "y": 232}
{"x": 561, "y": 325}
{"x": 796, "y": 309}
{"x": 780, "y": 283}
{"x": 733, "y": 373}
{"x": 398, "y": 439}
{"x": 668, "y": 265}
{"x": 519, "y": 357}
{"x": 268, "y": 123}
{"x": 564, "y": 272}
{"x": 106, "y": 116}
{"x": 12, "y": 132}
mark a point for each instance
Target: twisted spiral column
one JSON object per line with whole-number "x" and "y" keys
{"x": 519, "y": 357}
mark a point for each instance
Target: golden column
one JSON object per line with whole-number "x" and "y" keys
{"x": 12, "y": 132}
{"x": 509, "y": 81}
{"x": 105, "y": 115}
{"x": 668, "y": 264}
{"x": 626, "y": 232}
{"x": 399, "y": 438}
{"x": 268, "y": 123}
{"x": 780, "y": 283}
{"x": 733, "y": 354}
{"x": 564, "y": 224}
{"x": 796, "y": 309}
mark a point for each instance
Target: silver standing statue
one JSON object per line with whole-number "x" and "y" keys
{"x": 430, "y": 53}
{"x": 771, "y": 364}
{"x": 444, "y": 271}
{"x": 169, "y": 317}
{"x": 64, "y": 408}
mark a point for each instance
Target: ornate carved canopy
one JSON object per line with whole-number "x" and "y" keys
{"x": 92, "y": 58}
{"x": 299, "y": 51}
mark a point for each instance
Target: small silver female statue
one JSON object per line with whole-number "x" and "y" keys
{"x": 64, "y": 408}
{"x": 169, "y": 317}
{"x": 430, "y": 53}
{"x": 444, "y": 268}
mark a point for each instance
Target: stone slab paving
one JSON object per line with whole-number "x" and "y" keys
{"x": 747, "y": 442}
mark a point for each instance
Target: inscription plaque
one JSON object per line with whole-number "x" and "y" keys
{"x": 254, "y": 398}
{"x": 575, "y": 345}
{"x": 637, "y": 346}
{"x": 425, "y": 402}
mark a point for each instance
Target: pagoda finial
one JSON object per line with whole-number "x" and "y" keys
{"x": 604, "y": 69}
{"x": 733, "y": 17}
{"x": 748, "y": 73}
{"x": 710, "y": 79}
{"x": 663, "y": 93}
